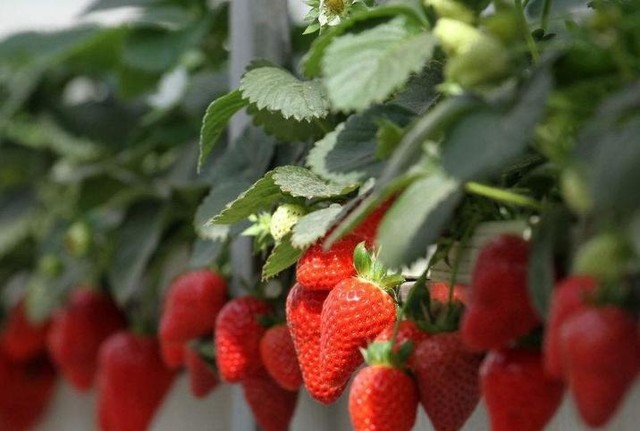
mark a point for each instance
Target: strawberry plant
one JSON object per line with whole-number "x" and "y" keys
{"x": 483, "y": 149}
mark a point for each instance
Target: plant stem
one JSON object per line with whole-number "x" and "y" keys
{"x": 502, "y": 195}
{"x": 546, "y": 10}
{"x": 531, "y": 44}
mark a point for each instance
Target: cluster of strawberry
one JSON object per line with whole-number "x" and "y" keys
{"x": 589, "y": 343}
{"x": 26, "y": 374}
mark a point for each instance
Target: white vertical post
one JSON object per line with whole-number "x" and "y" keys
{"x": 258, "y": 29}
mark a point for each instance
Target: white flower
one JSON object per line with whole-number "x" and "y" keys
{"x": 331, "y": 12}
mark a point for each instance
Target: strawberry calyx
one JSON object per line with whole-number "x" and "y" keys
{"x": 382, "y": 353}
{"x": 370, "y": 269}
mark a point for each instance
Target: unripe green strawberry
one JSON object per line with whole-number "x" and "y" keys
{"x": 451, "y": 9}
{"x": 78, "y": 238}
{"x": 574, "y": 190}
{"x": 284, "y": 219}
{"x": 468, "y": 50}
{"x": 604, "y": 257}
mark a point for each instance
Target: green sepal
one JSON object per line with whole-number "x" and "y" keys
{"x": 370, "y": 269}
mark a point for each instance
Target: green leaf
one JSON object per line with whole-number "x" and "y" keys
{"x": 260, "y": 196}
{"x": 135, "y": 242}
{"x": 549, "y": 237}
{"x": 416, "y": 219}
{"x": 388, "y": 136}
{"x": 282, "y": 257}
{"x": 288, "y": 130}
{"x": 411, "y": 10}
{"x": 275, "y": 89}
{"x": 347, "y": 155}
{"x": 314, "y": 226}
{"x": 615, "y": 175}
{"x": 219, "y": 196}
{"x": 367, "y": 68}
{"x": 157, "y": 50}
{"x": 17, "y": 210}
{"x": 45, "y": 133}
{"x": 215, "y": 121}
{"x": 421, "y": 91}
{"x": 297, "y": 181}
{"x": 492, "y": 137}
{"x": 113, "y": 4}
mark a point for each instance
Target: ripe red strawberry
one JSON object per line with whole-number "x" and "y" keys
{"x": 368, "y": 228}
{"x": 439, "y": 292}
{"x": 447, "y": 375}
{"x": 499, "y": 309}
{"x": 237, "y": 337}
{"x": 567, "y": 300}
{"x": 601, "y": 358}
{"x": 202, "y": 376}
{"x": 303, "y": 319}
{"x": 279, "y": 357}
{"x": 272, "y": 405}
{"x": 517, "y": 392}
{"x": 172, "y": 353}
{"x": 407, "y": 331}
{"x": 132, "y": 382}
{"x": 25, "y": 392}
{"x": 322, "y": 270}
{"x": 76, "y": 333}
{"x": 21, "y": 339}
{"x": 383, "y": 398}
{"x": 353, "y": 315}
{"x": 192, "y": 304}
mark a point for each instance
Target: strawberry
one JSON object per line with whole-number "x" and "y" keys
{"x": 237, "y": 337}
{"x": 20, "y": 338}
{"x": 172, "y": 353}
{"x": 518, "y": 393}
{"x": 279, "y": 357}
{"x": 383, "y": 396}
{"x": 567, "y": 300}
{"x": 499, "y": 309}
{"x": 25, "y": 392}
{"x": 354, "y": 314}
{"x": 284, "y": 218}
{"x": 303, "y": 319}
{"x": 322, "y": 270}
{"x": 192, "y": 304}
{"x": 601, "y": 358}
{"x": 407, "y": 331}
{"x": 368, "y": 228}
{"x": 272, "y": 405}
{"x": 439, "y": 292}
{"x": 202, "y": 376}
{"x": 76, "y": 333}
{"x": 447, "y": 375}
{"x": 132, "y": 382}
